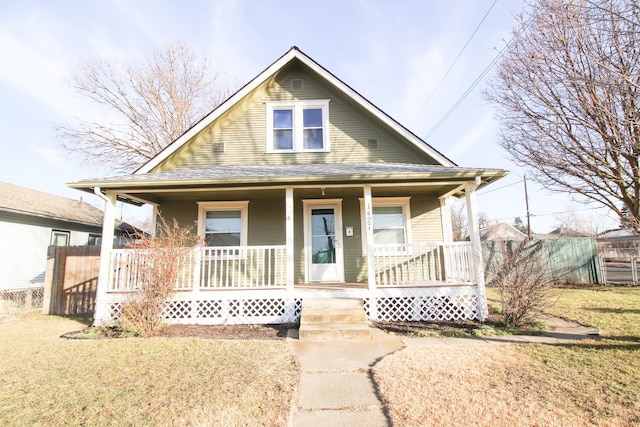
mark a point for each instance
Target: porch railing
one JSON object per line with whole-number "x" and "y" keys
{"x": 251, "y": 267}
{"x": 419, "y": 264}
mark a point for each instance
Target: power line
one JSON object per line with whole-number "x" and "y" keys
{"x": 454, "y": 61}
{"x": 469, "y": 90}
{"x": 479, "y": 78}
{"x": 499, "y": 188}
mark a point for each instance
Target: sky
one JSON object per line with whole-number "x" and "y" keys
{"x": 396, "y": 54}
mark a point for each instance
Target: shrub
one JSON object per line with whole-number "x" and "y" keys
{"x": 161, "y": 259}
{"x": 521, "y": 280}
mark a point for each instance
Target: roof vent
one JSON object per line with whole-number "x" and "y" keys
{"x": 218, "y": 147}
{"x": 297, "y": 84}
{"x": 372, "y": 144}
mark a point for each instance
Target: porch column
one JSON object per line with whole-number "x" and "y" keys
{"x": 289, "y": 237}
{"x": 445, "y": 214}
{"x": 368, "y": 218}
{"x": 102, "y": 315}
{"x": 476, "y": 247}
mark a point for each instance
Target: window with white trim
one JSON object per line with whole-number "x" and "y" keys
{"x": 391, "y": 221}
{"x": 296, "y": 126}
{"x": 223, "y": 223}
{"x": 60, "y": 237}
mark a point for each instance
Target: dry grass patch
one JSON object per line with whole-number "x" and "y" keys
{"x": 466, "y": 385}
{"x": 160, "y": 381}
{"x": 593, "y": 382}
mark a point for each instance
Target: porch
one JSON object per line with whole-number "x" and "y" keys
{"x": 248, "y": 284}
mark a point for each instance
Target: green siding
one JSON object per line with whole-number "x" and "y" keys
{"x": 267, "y": 225}
{"x": 242, "y": 131}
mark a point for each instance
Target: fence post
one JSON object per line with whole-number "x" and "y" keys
{"x": 49, "y": 276}
{"x": 634, "y": 267}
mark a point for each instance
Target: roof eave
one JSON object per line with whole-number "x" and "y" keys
{"x": 462, "y": 176}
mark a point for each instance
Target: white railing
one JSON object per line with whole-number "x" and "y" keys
{"x": 251, "y": 267}
{"x": 420, "y": 264}
{"x": 243, "y": 267}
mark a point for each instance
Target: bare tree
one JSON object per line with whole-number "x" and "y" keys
{"x": 567, "y": 92}
{"x": 460, "y": 224}
{"x": 588, "y": 224}
{"x": 150, "y": 104}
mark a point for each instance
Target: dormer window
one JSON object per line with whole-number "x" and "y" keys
{"x": 295, "y": 126}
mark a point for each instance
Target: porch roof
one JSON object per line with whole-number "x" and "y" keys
{"x": 266, "y": 175}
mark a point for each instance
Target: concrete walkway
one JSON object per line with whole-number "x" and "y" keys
{"x": 336, "y": 386}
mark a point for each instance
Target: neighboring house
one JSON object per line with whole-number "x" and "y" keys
{"x": 619, "y": 238}
{"x": 302, "y": 188}
{"x": 562, "y": 232}
{"x": 32, "y": 220}
{"x": 500, "y": 231}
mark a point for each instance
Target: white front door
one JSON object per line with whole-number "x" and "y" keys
{"x": 323, "y": 241}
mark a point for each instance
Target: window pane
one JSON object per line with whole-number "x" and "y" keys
{"x": 312, "y": 118}
{"x": 323, "y": 250}
{"x": 393, "y": 236}
{"x": 60, "y": 239}
{"x": 313, "y": 139}
{"x": 282, "y": 119}
{"x": 387, "y": 217}
{"x": 282, "y": 139}
{"x": 222, "y": 239}
{"x": 322, "y": 222}
{"x": 223, "y": 221}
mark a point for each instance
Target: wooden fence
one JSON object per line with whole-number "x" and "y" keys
{"x": 71, "y": 279}
{"x": 573, "y": 261}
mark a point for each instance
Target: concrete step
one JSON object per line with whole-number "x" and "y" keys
{"x": 334, "y": 331}
{"x": 353, "y": 315}
{"x": 333, "y": 318}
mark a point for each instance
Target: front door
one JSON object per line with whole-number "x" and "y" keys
{"x": 323, "y": 242}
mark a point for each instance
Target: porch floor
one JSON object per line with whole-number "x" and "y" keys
{"x": 365, "y": 286}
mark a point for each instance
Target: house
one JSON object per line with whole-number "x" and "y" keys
{"x": 302, "y": 188}
{"x": 501, "y": 231}
{"x": 30, "y": 221}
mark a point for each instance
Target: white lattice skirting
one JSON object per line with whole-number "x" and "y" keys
{"x": 437, "y": 304}
{"x": 271, "y": 307}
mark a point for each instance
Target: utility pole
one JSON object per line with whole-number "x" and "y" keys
{"x": 526, "y": 200}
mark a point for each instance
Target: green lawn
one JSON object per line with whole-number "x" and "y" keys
{"x": 47, "y": 380}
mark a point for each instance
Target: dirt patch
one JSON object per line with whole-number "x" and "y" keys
{"x": 227, "y": 332}
{"x": 217, "y": 332}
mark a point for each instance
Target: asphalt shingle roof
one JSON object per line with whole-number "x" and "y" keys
{"x": 308, "y": 171}
{"x": 17, "y": 199}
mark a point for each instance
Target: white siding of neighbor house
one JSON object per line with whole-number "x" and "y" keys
{"x": 23, "y": 253}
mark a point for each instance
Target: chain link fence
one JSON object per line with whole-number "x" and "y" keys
{"x": 14, "y": 300}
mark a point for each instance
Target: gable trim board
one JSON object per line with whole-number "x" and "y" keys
{"x": 295, "y": 54}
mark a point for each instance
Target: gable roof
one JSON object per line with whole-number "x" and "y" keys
{"x": 501, "y": 231}
{"x": 26, "y": 201}
{"x": 295, "y": 54}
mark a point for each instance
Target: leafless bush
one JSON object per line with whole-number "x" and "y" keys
{"x": 522, "y": 280}
{"x": 160, "y": 259}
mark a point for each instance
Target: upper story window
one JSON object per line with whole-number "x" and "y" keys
{"x": 294, "y": 126}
